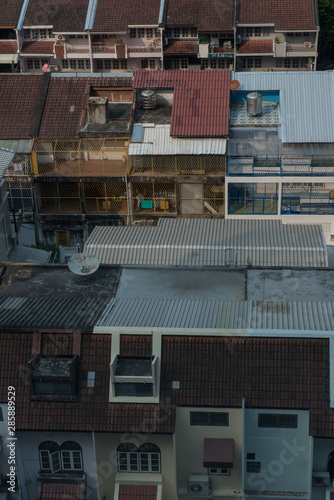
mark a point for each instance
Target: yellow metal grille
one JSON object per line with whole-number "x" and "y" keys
{"x": 106, "y": 156}
{"x": 99, "y": 197}
{"x": 202, "y": 199}
{"x": 154, "y": 198}
{"x": 105, "y": 197}
{"x": 177, "y": 165}
{"x": 58, "y": 197}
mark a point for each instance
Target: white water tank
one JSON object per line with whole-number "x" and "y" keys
{"x": 254, "y": 104}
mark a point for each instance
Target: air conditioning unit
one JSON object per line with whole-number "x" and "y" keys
{"x": 308, "y": 45}
{"x": 199, "y": 486}
{"x": 321, "y": 479}
{"x": 238, "y": 39}
{"x": 53, "y": 68}
{"x": 61, "y": 38}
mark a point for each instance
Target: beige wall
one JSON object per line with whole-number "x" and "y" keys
{"x": 106, "y": 459}
{"x": 190, "y": 447}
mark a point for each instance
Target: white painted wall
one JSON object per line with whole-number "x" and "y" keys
{"x": 285, "y": 454}
{"x": 190, "y": 448}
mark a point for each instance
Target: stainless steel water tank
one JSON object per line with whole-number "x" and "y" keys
{"x": 254, "y": 104}
{"x": 148, "y": 99}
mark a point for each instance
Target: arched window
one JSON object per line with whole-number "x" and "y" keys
{"x": 127, "y": 455}
{"x": 49, "y": 457}
{"x": 149, "y": 458}
{"x": 71, "y": 456}
{"x": 64, "y": 458}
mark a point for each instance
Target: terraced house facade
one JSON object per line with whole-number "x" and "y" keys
{"x": 87, "y": 36}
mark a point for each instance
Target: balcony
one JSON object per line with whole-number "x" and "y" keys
{"x": 281, "y": 166}
{"x": 104, "y": 48}
{"x": 303, "y": 50}
{"x": 77, "y": 49}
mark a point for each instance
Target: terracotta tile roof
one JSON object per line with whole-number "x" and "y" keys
{"x": 8, "y": 47}
{"x": 209, "y": 16}
{"x": 60, "y": 491}
{"x": 181, "y": 47}
{"x": 116, "y": 15}
{"x": 63, "y": 15}
{"x": 137, "y": 492}
{"x": 255, "y": 47}
{"x": 10, "y": 13}
{"x": 283, "y": 13}
{"x": 66, "y": 102}
{"x": 268, "y": 372}
{"x": 39, "y": 47}
{"x": 277, "y": 373}
{"x": 136, "y": 345}
{"x": 92, "y": 411}
{"x": 200, "y": 103}
{"x": 18, "y": 96}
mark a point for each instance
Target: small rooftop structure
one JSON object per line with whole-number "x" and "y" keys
{"x": 216, "y": 243}
{"x": 200, "y": 100}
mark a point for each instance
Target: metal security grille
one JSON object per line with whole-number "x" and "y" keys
{"x": 20, "y": 196}
{"x": 308, "y": 198}
{"x": 105, "y": 197}
{"x": 281, "y": 165}
{"x": 177, "y": 165}
{"x": 252, "y": 198}
{"x": 58, "y": 197}
{"x": 80, "y": 157}
{"x": 203, "y": 199}
{"x": 156, "y": 198}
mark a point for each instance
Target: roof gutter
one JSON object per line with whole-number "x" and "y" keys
{"x": 163, "y": 6}
{"x": 23, "y": 14}
{"x": 90, "y": 19}
{"x": 39, "y": 108}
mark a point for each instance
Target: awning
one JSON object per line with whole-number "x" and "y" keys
{"x": 62, "y": 491}
{"x": 218, "y": 453}
{"x": 8, "y": 58}
{"x": 137, "y": 491}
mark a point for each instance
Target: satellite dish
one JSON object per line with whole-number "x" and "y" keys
{"x": 234, "y": 85}
{"x": 83, "y": 264}
{"x": 45, "y": 67}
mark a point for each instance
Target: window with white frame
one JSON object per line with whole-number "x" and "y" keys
{"x": 38, "y": 34}
{"x": 148, "y": 64}
{"x": 257, "y": 31}
{"x": 214, "y": 471}
{"x": 149, "y": 458}
{"x": 149, "y": 33}
{"x": 141, "y": 32}
{"x": 176, "y": 63}
{"x": 36, "y": 64}
{"x": 127, "y": 456}
{"x": 181, "y": 33}
{"x": 119, "y": 63}
{"x": 71, "y": 456}
{"x": 58, "y": 459}
{"x": 143, "y": 459}
{"x": 76, "y": 64}
{"x": 257, "y": 62}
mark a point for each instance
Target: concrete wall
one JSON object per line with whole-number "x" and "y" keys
{"x": 321, "y": 449}
{"x": 190, "y": 447}
{"x": 106, "y": 458}
{"x": 285, "y": 454}
{"x": 29, "y": 464}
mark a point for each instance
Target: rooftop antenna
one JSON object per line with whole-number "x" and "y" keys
{"x": 83, "y": 264}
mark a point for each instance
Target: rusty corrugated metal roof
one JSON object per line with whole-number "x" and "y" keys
{"x": 201, "y": 100}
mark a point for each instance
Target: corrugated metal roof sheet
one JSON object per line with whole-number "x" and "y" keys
{"x": 20, "y": 253}
{"x": 198, "y": 242}
{"x": 218, "y": 314}
{"x": 50, "y": 312}
{"x": 306, "y": 102}
{"x": 19, "y": 146}
{"x": 200, "y": 103}
{"x": 156, "y": 140}
{"x": 6, "y": 157}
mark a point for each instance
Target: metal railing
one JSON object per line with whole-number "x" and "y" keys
{"x": 280, "y": 166}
